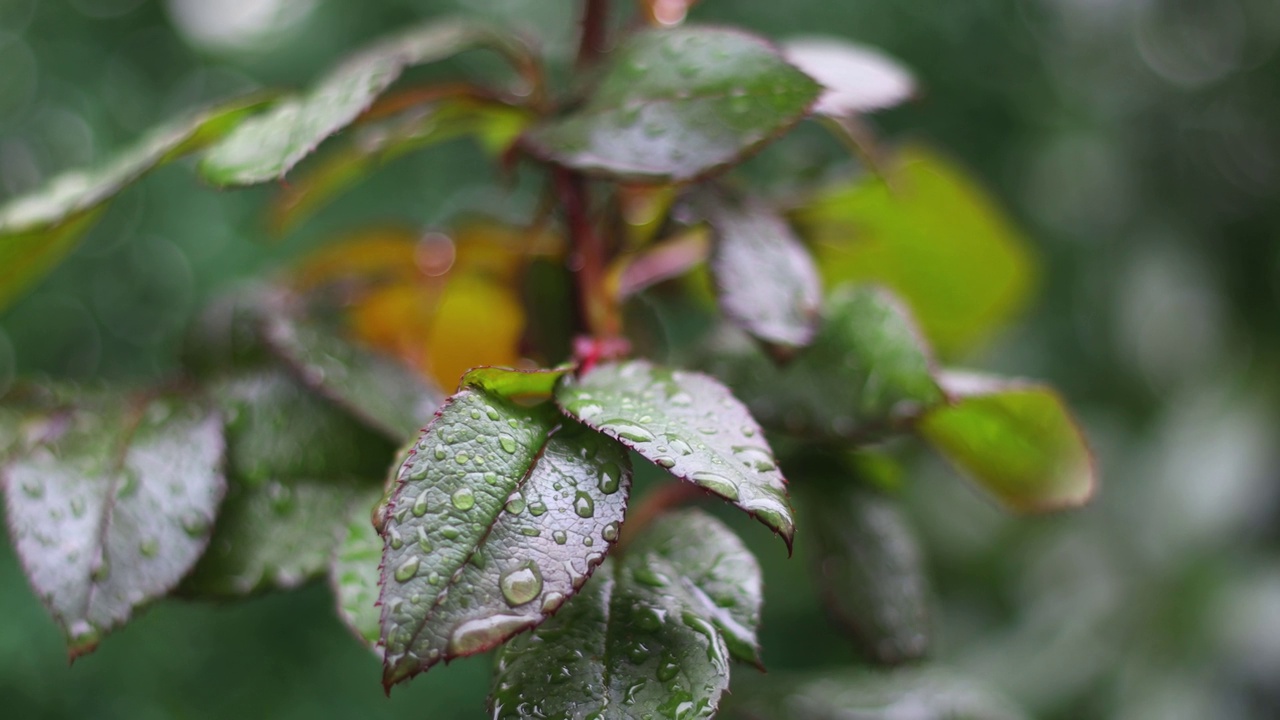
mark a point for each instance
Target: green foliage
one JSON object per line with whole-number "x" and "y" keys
{"x": 493, "y": 521}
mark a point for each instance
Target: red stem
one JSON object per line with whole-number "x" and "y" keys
{"x": 598, "y": 311}
{"x": 595, "y": 16}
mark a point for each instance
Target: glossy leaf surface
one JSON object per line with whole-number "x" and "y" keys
{"x": 38, "y": 230}
{"x": 112, "y": 505}
{"x": 497, "y": 519}
{"x": 866, "y": 367}
{"x": 266, "y": 148}
{"x": 676, "y": 104}
{"x": 766, "y": 280}
{"x": 379, "y": 390}
{"x": 295, "y": 463}
{"x": 690, "y": 425}
{"x": 1016, "y": 439}
{"x": 650, "y": 635}
{"x": 354, "y": 572}
{"x": 931, "y": 693}
{"x": 870, "y": 571}
{"x": 856, "y": 79}
{"x": 933, "y": 236}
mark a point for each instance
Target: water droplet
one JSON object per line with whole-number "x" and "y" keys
{"x": 748, "y": 431}
{"x": 33, "y": 489}
{"x": 491, "y": 478}
{"x": 463, "y": 498}
{"x": 708, "y": 430}
{"x": 407, "y": 569}
{"x": 665, "y": 462}
{"x": 149, "y": 548}
{"x": 522, "y": 585}
{"x": 515, "y": 505}
{"x": 646, "y": 575}
{"x": 493, "y": 414}
{"x": 450, "y": 533}
{"x": 680, "y": 446}
{"x": 423, "y": 542}
{"x": 461, "y": 458}
{"x": 478, "y": 635}
{"x": 507, "y": 442}
{"x": 755, "y": 457}
{"x": 610, "y": 478}
{"x": 588, "y": 541}
{"x": 583, "y": 505}
{"x": 394, "y": 539}
{"x": 433, "y": 578}
{"x": 441, "y": 453}
{"x": 77, "y": 506}
{"x": 552, "y": 602}
{"x": 638, "y": 653}
{"x": 610, "y": 532}
{"x": 629, "y": 697}
{"x": 648, "y": 619}
{"x": 716, "y": 483}
{"x": 627, "y": 430}
{"x": 530, "y": 531}
{"x": 537, "y": 508}
{"x": 420, "y": 504}
{"x": 667, "y": 668}
{"x": 681, "y": 399}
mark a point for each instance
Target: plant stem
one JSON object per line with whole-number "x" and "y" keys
{"x": 595, "y": 18}
{"x": 598, "y": 309}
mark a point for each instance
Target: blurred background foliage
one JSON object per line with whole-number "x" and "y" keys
{"x": 1134, "y": 141}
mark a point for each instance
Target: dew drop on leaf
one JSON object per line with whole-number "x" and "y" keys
{"x": 407, "y": 569}
{"x": 583, "y": 505}
{"x": 463, "y": 498}
{"x": 522, "y": 585}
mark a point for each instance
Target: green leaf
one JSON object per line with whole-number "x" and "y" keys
{"x": 652, "y": 632}
{"x": 930, "y": 692}
{"x": 296, "y": 464}
{"x": 866, "y": 369}
{"x": 688, "y": 424}
{"x": 497, "y": 519}
{"x": 111, "y": 505}
{"x": 766, "y": 279}
{"x": 494, "y": 125}
{"x": 856, "y": 79}
{"x": 677, "y": 104}
{"x": 383, "y": 392}
{"x": 266, "y": 148}
{"x": 1015, "y": 438}
{"x": 354, "y": 572}
{"x": 934, "y": 237}
{"x": 226, "y": 336}
{"x": 38, "y": 230}
{"x": 870, "y": 571}
{"x": 510, "y": 383}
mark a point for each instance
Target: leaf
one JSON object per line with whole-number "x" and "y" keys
{"x": 112, "y": 505}
{"x": 496, "y": 126}
{"x": 515, "y": 384}
{"x": 266, "y": 148}
{"x": 928, "y": 692}
{"x": 866, "y": 369}
{"x": 226, "y": 336}
{"x": 766, "y": 279}
{"x": 381, "y": 391}
{"x": 870, "y": 571}
{"x": 354, "y": 573}
{"x": 1015, "y": 438}
{"x": 856, "y": 79}
{"x": 497, "y": 519}
{"x": 677, "y": 104}
{"x": 38, "y": 230}
{"x": 689, "y": 424}
{"x": 296, "y": 463}
{"x": 932, "y": 236}
{"x": 651, "y": 632}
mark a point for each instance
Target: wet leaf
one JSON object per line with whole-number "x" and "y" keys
{"x": 931, "y": 692}
{"x": 866, "y": 369}
{"x": 1015, "y": 438}
{"x": 931, "y": 235}
{"x": 38, "y": 230}
{"x": 354, "y": 571}
{"x": 112, "y": 505}
{"x": 380, "y": 390}
{"x": 677, "y": 104}
{"x": 497, "y": 519}
{"x": 226, "y": 336}
{"x": 690, "y": 425}
{"x": 766, "y": 280}
{"x": 652, "y": 631}
{"x": 856, "y": 79}
{"x": 515, "y": 384}
{"x": 266, "y": 148}
{"x": 296, "y": 463}
{"x": 870, "y": 571}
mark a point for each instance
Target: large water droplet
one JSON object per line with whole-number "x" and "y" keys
{"x": 552, "y": 602}
{"x": 716, "y": 483}
{"x": 463, "y": 498}
{"x": 665, "y": 462}
{"x": 521, "y": 585}
{"x": 610, "y": 532}
{"x": 537, "y": 508}
{"x": 583, "y": 505}
{"x": 420, "y": 504}
{"x": 478, "y": 635}
{"x": 149, "y": 548}
{"x": 610, "y": 478}
{"x": 627, "y": 430}
{"x": 667, "y": 668}
{"x": 515, "y": 505}
{"x": 407, "y": 569}
{"x": 507, "y": 442}
{"x": 754, "y": 456}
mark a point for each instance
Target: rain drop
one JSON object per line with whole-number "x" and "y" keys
{"x": 716, "y": 483}
{"x": 610, "y": 478}
{"x": 463, "y": 498}
{"x": 420, "y": 504}
{"x": 610, "y": 532}
{"x": 407, "y": 569}
{"x": 583, "y": 505}
{"x": 560, "y": 537}
{"x": 522, "y": 585}
{"x": 507, "y": 442}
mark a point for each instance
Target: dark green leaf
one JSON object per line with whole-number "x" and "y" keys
{"x": 514, "y": 383}
{"x": 857, "y": 79}
{"x": 923, "y": 694}
{"x": 690, "y": 425}
{"x": 498, "y": 518}
{"x": 354, "y": 571}
{"x": 931, "y": 235}
{"x": 677, "y": 104}
{"x": 1016, "y": 439}
{"x": 296, "y": 463}
{"x": 767, "y": 282}
{"x": 866, "y": 368}
{"x": 650, "y": 635}
{"x": 383, "y": 392}
{"x": 38, "y": 230}
{"x": 111, "y": 505}
{"x": 870, "y": 571}
{"x": 268, "y": 147}
{"x": 227, "y": 334}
